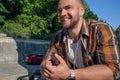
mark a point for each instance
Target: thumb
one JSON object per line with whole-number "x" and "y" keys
{"x": 48, "y": 60}
{"x": 60, "y": 59}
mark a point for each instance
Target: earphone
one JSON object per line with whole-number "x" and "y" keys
{"x": 81, "y": 13}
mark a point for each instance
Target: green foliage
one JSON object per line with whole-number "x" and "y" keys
{"x": 39, "y": 28}
{"x": 118, "y": 35}
{"x": 3, "y": 11}
{"x": 45, "y": 8}
{"x": 2, "y": 19}
{"x": 118, "y": 30}
{"x": 85, "y": 5}
{"x": 25, "y": 19}
{"x": 13, "y": 6}
{"x": 32, "y": 19}
{"x": 15, "y": 30}
{"x": 90, "y": 15}
{"x": 27, "y": 7}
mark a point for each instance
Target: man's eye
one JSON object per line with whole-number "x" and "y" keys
{"x": 59, "y": 10}
{"x": 67, "y": 7}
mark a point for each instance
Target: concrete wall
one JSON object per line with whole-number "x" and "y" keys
{"x": 13, "y": 53}
{"x": 8, "y": 50}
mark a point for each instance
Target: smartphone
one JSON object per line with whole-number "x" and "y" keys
{"x": 54, "y": 59}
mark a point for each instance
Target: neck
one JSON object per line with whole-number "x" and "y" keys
{"x": 74, "y": 32}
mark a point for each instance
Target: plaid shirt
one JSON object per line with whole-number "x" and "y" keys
{"x": 99, "y": 45}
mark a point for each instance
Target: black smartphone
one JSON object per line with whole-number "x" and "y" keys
{"x": 54, "y": 59}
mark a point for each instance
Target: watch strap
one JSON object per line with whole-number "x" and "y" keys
{"x": 72, "y": 75}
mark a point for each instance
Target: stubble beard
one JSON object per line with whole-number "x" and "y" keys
{"x": 72, "y": 26}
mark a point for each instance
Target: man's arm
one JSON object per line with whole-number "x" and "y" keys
{"x": 95, "y": 72}
{"x": 62, "y": 72}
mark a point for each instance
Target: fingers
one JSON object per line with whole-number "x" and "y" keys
{"x": 44, "y": 67}
{"x": 48, "y": 59}
{"x": 48, "y": 64}
{"x": 44, "y": 64}
{"x": 47, "y": 68}
{"x": 45, "y": 73}
{"x": 60, "y": 59}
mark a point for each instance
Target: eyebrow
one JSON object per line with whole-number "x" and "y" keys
{"x": 67, "y": 6}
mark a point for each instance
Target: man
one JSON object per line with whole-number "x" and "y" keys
{"x": 82, "y": 50}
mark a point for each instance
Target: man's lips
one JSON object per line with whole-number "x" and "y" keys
{"x": 64, "y": 20}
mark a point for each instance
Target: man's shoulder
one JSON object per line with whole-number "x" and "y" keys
{"x": 95, "y": 23}
{"x": 59, "y": 32}
{"x": 58, "y": 36}
{"x": 98, "y": 25}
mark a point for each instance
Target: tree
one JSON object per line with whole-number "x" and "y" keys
{"x": 90, "y": 15}
{"x": 3, "y": 11}
{"x": 37, "y": 19}
{"x": 13, "y": 6}
{"x": 118, "y": 30}
{"x": 118, "y": 35}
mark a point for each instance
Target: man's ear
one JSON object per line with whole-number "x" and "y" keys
{"x": 81, "y": 12}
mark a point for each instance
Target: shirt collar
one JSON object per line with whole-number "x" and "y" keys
{"x": 84, "y": 30}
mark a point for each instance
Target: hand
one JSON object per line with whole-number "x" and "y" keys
{"x": 43, "y": 65}
{"x": 56, "y": 72}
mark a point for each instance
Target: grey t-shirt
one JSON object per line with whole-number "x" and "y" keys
{"x": 75, "y": 54}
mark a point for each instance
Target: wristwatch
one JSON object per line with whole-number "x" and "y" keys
{"x": 72, "y": 75}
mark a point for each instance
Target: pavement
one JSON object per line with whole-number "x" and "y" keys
{"x": 11, "y": 71}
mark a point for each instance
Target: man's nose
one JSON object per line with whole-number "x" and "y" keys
{"x": 63, "y": 13}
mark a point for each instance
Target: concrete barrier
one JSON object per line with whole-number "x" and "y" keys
{"x": 12, "y": 56}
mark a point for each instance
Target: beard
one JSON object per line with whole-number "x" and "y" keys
{"x": 71, "y": 25}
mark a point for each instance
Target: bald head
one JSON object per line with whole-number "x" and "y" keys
{"x": 80, "y": 2}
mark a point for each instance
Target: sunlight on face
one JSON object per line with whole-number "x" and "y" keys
{"x": 69, "y": 12}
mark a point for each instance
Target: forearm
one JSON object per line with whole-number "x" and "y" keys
{"x": 96, "y": 72}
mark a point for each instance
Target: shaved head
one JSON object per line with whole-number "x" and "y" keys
{"x": 81, "y": 3}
